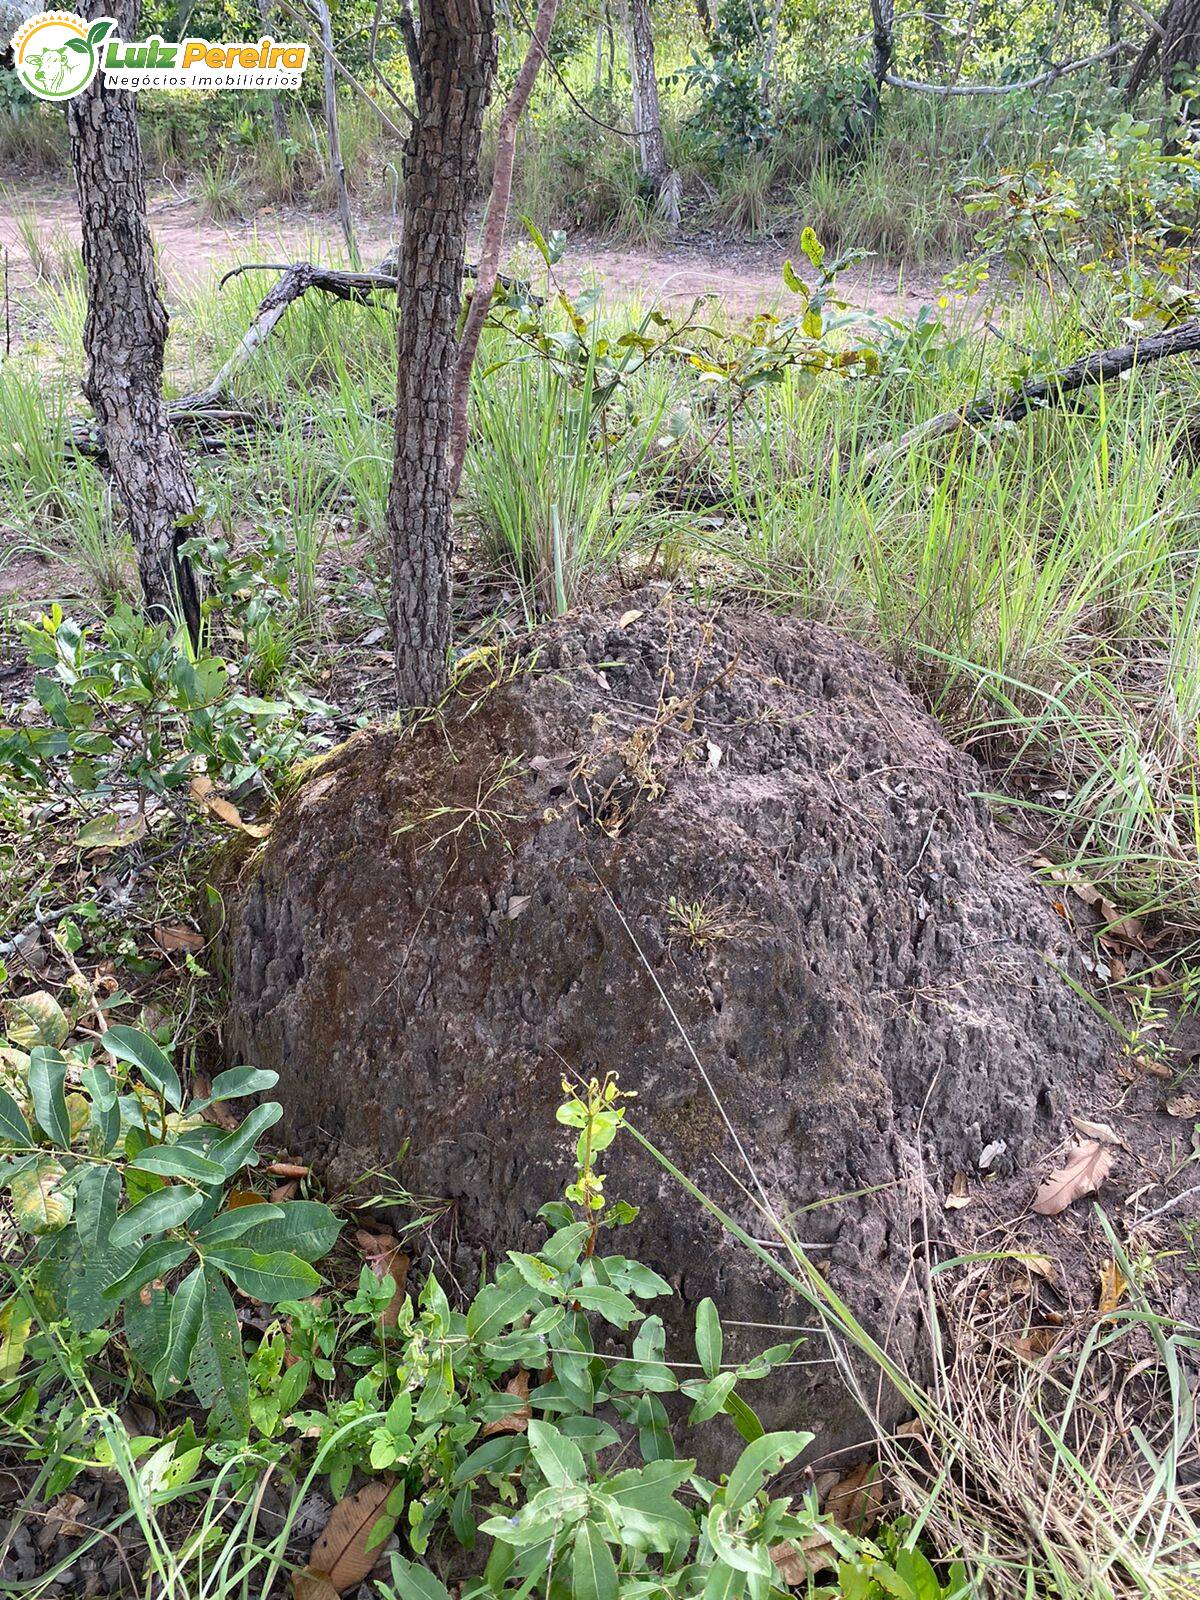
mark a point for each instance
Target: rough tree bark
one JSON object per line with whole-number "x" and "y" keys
{"x": 455, "y": 64}
{"x": 647, "y": 113}
{"x": 492, "y": 241}
{"x": 125, "y": 334}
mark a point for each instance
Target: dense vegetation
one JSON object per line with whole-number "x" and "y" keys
{"x": 216, "y": 1378}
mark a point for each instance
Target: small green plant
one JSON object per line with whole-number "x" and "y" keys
{"x": 125, "y": 1195}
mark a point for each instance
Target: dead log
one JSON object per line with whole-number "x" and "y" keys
{"x": 1099, "y": 367}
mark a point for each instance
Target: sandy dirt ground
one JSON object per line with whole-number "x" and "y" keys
{"x": 745, "y": 276}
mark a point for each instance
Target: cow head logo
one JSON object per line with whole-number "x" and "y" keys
{"x": 57, "y": 54}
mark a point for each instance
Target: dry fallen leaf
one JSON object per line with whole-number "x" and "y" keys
{"x": 308, "y": 1585}
{"x": 1184, "y": 1105}
{"x": 797, "y": 1563}
{"x": 287, "y": 1169}
{"x": 958, "y": 1196}
{"x": 517, "y": 904}
{"x": 62, "y": 1521}
{"x": 854, "y": 1501}
{"x": 1113, "y": 1285}
{"x": 1036, "y": 1344}
{"x": 1085, "y": 1170}
{"x": 516, "y": 1421}
{"x": 224, "y": 810}
{"x": 1097, "y": 1130}
{"x": 627, "y": 617}
{"x": 386, "y": 1259}
{"x": 340, "y": 1554}
{"x": 177, "y": 937}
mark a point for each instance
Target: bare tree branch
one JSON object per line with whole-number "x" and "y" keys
{"x": 1008, "y": 88}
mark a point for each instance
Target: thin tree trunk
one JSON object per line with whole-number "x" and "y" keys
{"x": 647, "y": 113}
{"x": 278, "y": 115}
{"x": 882, "y": 48}
{"x": 337, "y": 168}
{"x": 125, "y": 334}
{"x": 492, "y": 241}
{"x": 765, "y": 87}
{"x": 456, "y": 64}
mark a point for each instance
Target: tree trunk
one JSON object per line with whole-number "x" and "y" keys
{"x": 125, "y": 334}
{"x": 882, "y": 47}
{"x": 647, "y": 114}
{"x": 279, "y": 119}
{"x": 492, "y": 241}
{"x": 337, "y": 168}
{"x": 456, "y": 64}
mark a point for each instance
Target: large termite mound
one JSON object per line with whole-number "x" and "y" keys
{"x": 726, "y": 857}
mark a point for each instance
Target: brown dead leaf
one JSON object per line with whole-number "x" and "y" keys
{"x": 1085, "y": 1170}
{"x": 1102, "y": 1131}
{"x": 244, "y": 1197}
{"x": 287, "y": 1169}
{"x": 516, "y": 1421}
{"x": 797, "y": 1563}
{"x": 309, "y": 1585}
{"x": 1035, "y": 1344}
{"x": 288, "y": 1190}
{"x": 855, "y": 1500}
{"x": 175, "y": 936}
{"x": 627, "y": 617}
{"x": 224, "y": 810}
{"x": 1039, "y": 1267}
{"x": 62, "y": 1521}
{"x": 383, "y": 1254}
{"x": 958, "y": 1196}
{"x": 340, "y": 1554}
{"x": 1186, "y": 1106}
{"x": 1113, "y": 1285}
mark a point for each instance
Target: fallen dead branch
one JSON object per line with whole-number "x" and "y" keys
{"x": 208, "y": 406}
{"x": 1099, "y": 367}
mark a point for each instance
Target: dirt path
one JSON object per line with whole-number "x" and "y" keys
{"x": 744, "y": 276}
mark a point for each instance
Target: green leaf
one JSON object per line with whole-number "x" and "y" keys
{"x": 234, "y": 1224}
{"x": 39, "y": 1205}
{"x": 723, "y": 1583}
{"x": 187, "y": 1313}
{"x": 13, "y": 1127}
{"x": 110, "y": 831}
{"x": 760, "y": 1461}
{"x": 812, "y": 247}
{"x": 612, "y": 1304}
{"x": 269, "y": 1278}
{"x": 36, "y": 1019}
{"x": 559, "y": 1460}
{"x": 498, "y": 1306}
{"x": 501, "y": 1454}
{"x": 238, "y": 1081}
{"x": 305, "y": 1227}
{"x": 593, "y": 1570}
{"x": 177, "y": 1161}
{"x": 710, "y": 1397}
{"x": 164, "y": 1209}
{"x": 795, "y": 283}
{"x": 47, "y": 1074}
{"x": 96, "y": 1208}
{"x": 416, "y": 1582}
{"x": 218, "y": 1370}
{"x": 155, "y": 1261}
{"x": 745, "y": 1418}
{"x": 106, "y": 1109}
{"x": 128, "y": 1044}
{"x": 710, "y": 1341}
{"x": 233, "y": 1151}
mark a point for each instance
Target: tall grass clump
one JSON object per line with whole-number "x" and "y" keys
{"x": 549, "y": 494}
